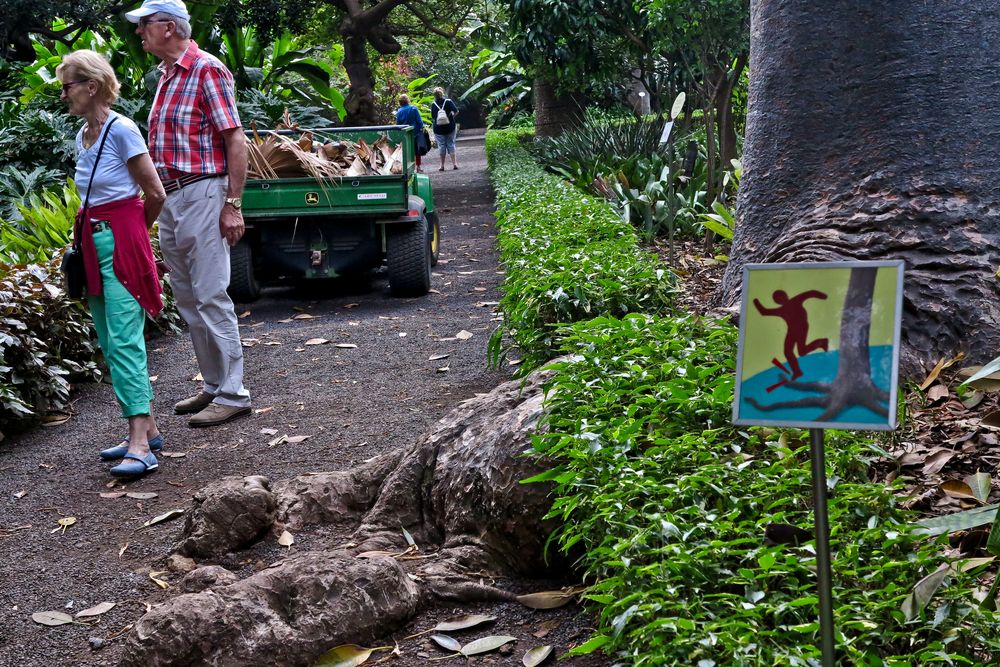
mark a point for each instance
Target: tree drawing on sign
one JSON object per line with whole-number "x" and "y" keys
{"x": 853, "y": 384}
{"x": 796, "y": 320}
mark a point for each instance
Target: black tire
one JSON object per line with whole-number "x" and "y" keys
{"x": 434, "y": 236}
{"x": 243, "y": 286}
{"x": 408, "y": 259}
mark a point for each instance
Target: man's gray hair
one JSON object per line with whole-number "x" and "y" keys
{"x": 181, "y": 26}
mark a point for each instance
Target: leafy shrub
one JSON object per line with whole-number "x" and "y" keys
{"x": 17, "y": 186}
{"x": 268, "y": 109}
{"x": 567, "y": 256}
{"x": 668, "y": 504}
{"x": 44, "y": 227}
{"x": 39, "y": 138}
{"x": 45, "y": 338}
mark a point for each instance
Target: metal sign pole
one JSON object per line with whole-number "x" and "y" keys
{"x": 823, "y": 571}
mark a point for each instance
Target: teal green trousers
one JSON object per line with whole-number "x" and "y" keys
{"x": 119, "y": 320}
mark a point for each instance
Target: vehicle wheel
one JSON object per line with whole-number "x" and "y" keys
{"x": 243, "y": 286}
{"x": 408, "y": 259}
{"x": 434, "y": 236}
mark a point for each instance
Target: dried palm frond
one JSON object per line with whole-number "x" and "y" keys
{"x": 395, "y": 163}
{"x": 306, "y": 141}
{"x": 333, "y": 150}
{"x": 256, "y": 137}
{"x": 357, "y": 168}
{"x": 286, "y": 122}
{"x": 280, "y": 157}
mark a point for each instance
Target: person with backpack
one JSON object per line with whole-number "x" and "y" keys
{"x": 444, "y": 112}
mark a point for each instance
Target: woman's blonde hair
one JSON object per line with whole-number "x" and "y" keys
{"x": 439, "y": 92}
{"x": 404, "y": 99}
{"x": 87, "y": 65}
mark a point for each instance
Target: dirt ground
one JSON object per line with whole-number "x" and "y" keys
{"x": 353, "y": 403}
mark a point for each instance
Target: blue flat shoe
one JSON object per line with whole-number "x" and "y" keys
{"x": 143, "y": 465}
{"x": 118, "y": 451}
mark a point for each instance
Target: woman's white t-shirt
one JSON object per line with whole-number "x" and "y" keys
{"x": 112, "y": 181}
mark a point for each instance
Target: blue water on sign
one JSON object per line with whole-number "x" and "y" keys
{"x": 816, "y": 367}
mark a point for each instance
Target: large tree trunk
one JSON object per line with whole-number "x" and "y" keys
{"x": 360, "y": 100}
{"x": 554, "y": 112}
{"x": 871, "y": 135}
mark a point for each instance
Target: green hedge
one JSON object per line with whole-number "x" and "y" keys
{"x": 567, "y": 257}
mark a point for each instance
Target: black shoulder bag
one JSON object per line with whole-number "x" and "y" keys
{"x": 72, "y": 261}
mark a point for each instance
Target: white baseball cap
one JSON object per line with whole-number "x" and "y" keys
{"x": 149, "y": 7}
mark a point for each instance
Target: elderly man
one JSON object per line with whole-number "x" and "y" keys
{"x": 199, "y": 150}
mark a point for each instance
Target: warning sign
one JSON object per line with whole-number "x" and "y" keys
{"x": 819, "y": 345}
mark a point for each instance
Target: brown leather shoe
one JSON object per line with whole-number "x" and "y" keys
{"x": 216, "y": 413}
{"x": 195, "y": 403}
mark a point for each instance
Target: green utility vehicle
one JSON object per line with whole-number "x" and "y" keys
{"x": 303, "y": 229}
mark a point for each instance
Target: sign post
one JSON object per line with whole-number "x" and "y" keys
{"x": 819, "y": 348}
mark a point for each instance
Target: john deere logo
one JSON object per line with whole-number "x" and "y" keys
{"x": 312, "y": 198}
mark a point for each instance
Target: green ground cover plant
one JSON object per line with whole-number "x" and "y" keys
{"x": 669, "y": 503}
{"x": 568, "y": 257}
{"x": 669, "y": 507}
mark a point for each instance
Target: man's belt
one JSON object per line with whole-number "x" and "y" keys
{"x": 175, "y": 184}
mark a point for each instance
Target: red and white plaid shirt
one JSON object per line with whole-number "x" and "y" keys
{"x": 195, "y": 102}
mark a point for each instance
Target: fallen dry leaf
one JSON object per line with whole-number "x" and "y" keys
{"x": 159, "y": 582}
{"x": 96, "y": 610}
{"x": 937, "y": 460}
{"x": 286, "y": 539}
{"x": 345, "y": 346}
{"x": 317, "y": 341}
{"x": 260, "y": 411}
{"x": 937, "y": 392}
{"x": 463, "y": 335}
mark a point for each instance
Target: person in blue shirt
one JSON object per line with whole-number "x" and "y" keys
{"x": 407, "y": 114}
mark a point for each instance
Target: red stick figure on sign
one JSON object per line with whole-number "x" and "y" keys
{"x": 791, "y": 310}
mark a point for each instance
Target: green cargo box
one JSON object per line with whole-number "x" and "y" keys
{"x": 303, "y": 229}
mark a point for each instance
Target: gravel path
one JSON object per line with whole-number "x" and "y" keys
{"x": 353, "y": 403}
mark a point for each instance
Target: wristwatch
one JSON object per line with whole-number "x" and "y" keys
{"x": 236, "y": 202}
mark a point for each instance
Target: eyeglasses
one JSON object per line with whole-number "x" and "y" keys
{"x": 145, "y": 22}
{"x": 69, "y": 84}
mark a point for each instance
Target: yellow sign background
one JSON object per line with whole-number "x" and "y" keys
{"x": 766, "y": 334}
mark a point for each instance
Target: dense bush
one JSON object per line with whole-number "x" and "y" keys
{"x": 567, "y": 256}
{"x": 46, "y": 340}
{"x": 669, "y": 503}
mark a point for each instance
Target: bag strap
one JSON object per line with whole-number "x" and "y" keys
{"x": 100, "y": 149}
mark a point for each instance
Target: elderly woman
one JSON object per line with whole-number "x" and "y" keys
{"x": 112, "y": 166}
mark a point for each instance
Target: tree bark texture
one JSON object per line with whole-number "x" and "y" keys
{"x": 554, "y": 112}
{"x": 360, "y": 100}
{"x": 456, "y": 491}
{"x": 871, "y": 134}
